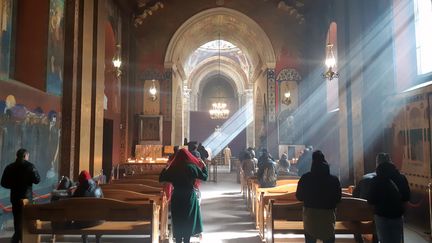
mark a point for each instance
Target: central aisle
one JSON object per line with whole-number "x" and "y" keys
{"x": 226, "y": 218}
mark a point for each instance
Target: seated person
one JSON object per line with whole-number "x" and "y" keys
{"x": 87, "y": 187}
{"x": 284, "y": 165}
{"x": 267, "y": 175}
{"x": 63, "y": 190}
{"x": 248, "y": 165}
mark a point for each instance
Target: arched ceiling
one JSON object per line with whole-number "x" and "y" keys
{"x": 211, "y": 67}
{"x": 218, "y": 48}
{"x": 226, "y": 24}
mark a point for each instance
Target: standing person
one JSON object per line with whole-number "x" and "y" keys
{"x": 305, "y": 161}
{"x": 19, "y": 177}
{"x": 227, "y": 156}
{"x": 248, "y": 165}
{"x": 203, "y": 152}
{"x": 320, "y": 192}
{"x": 184, "y": 172}
{"x": 389, "y": 191}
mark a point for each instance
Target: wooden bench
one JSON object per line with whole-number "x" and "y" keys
{"x": 144, "y": 181}
{"x": 353, "y": 216}
{"x": 282, "y": 186}
{"x": 131, "y": 196}
{"x": 265, "y": 197}
{"x": 119, "y": 218}
{"x": 134, "y": 187}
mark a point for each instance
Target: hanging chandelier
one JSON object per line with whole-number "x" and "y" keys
{"x": 330, "y": 62}
{"x": 219, "y": 109}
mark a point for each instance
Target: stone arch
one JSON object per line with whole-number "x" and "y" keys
{"x": 210, "y": 67}
{"x": 231, "y": 25}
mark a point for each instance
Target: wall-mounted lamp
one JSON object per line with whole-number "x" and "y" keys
{"x": 287, "y": 98}
{"x": 330, "y": 62}
{"x": 117, "y": 62}
{"x": 153, "y": 91}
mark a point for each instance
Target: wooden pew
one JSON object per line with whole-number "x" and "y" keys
{"x": 133, "y": 187}
{"x": 131, "y": 196}
{"x": 145, "y": 181}
{"x": 282, "y": 186}
{"x": 353, "y": 216}
{"x": 253, "y": 184}
{"x": 265, "y": 194}
{"x": 119, "y": 218}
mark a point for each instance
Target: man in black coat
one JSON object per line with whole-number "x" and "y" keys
{"x": 320, "y": 192}
{"x": 388, "y": 192}
{"x": 19, "y": 177}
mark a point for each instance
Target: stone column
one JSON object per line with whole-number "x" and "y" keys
{"x": 187, "y": 108}
{"x": 272, "y": 139}
{"x": 166, "y": 88}
{"x": 82, "y": 106}
{"x": 250, "y": 129}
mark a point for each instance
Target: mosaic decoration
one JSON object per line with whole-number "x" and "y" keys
{"x": 288, "y": 74}
{"x": 271, "y": 90}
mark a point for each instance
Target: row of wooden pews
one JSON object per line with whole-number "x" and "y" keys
{"x": 143, "y": 185}
{"x": 276, "y": 210}
{"x": 132, "y": 205}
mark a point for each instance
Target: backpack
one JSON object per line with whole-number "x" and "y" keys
{"x": 269, "y": 176}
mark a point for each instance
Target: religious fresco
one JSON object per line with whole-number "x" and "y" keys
{"x": 6, "y": 7}
{"x": 36, "y": 130}
{"x": 55, "y": 57}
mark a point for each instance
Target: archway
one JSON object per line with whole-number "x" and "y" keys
{"x": 254, "y": 54}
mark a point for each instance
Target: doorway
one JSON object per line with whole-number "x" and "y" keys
{"x": 107, "y": 149}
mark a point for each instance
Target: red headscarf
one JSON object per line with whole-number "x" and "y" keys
{"x": 183, "y": 157}
{"x": 84, "y": 176}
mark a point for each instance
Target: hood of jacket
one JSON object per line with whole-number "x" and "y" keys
{"x": 320, "y": 167}
{"x": 386, "y": 169}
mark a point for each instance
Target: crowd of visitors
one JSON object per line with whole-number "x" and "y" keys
{"x": 386, "y": 189}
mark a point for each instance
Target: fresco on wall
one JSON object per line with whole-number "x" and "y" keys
{"x": 5, "y": 37}
{"x": 55, "y": 57}
{"x": 37, "y": 131}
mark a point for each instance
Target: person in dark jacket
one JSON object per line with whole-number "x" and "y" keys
{"x": 203, "y": 152}
{"x": 87, "y": 187}
{"x": 184, "y": 172}
{"x": 19, "y": 177}
{"x": 304, "y": 162}
{"x": 320, "y": 193}
{"x": 267, "y": 171}
{"x": 389, "y": 191}
{"x": 265, "y": 155}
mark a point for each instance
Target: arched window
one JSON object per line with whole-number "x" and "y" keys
{"x": 423, "y": 26}
{"x": 332, "y": 85}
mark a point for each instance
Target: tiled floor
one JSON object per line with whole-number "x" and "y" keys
{"x": 227, "y": 220}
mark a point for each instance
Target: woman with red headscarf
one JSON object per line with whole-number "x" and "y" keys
{"x": 184, "y": 172}
{"x": 87, "y": 187}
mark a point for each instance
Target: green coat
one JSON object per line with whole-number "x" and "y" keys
{"x": 185, "y": 209}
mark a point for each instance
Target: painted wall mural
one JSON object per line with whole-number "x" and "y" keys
{"x": 6, "y": 7}
{"x": 34, "y": 128}
{"x": 55, "y": 57}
